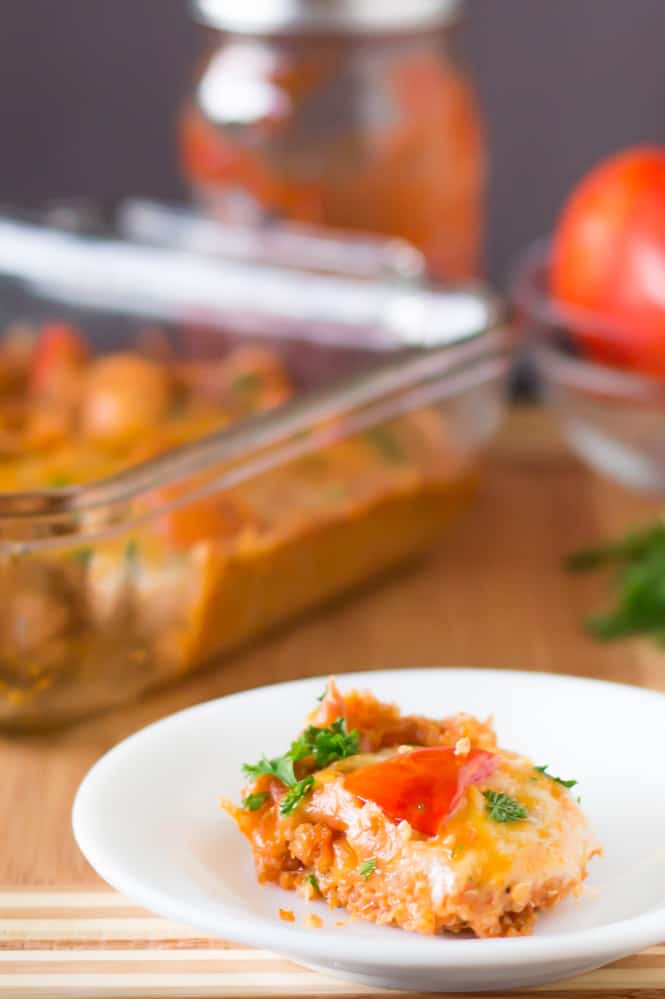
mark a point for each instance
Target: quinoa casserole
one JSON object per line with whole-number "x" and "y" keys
{"x": 193, "y": 569}
{"x": 423, "y": 824}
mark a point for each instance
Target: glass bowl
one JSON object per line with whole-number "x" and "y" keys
{"x": 612, "y": 418}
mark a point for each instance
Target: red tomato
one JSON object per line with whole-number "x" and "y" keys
{"x": 423, "y": 786}
{"x": 216, "y": 518}
{"x": 211, "y": 519}
{"x": 609, "y": 258}
{"x": 60, "y": 350}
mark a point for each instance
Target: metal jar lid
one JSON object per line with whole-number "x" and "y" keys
{"x": 258, "y": 17}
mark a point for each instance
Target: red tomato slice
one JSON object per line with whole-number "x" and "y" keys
{"x": 423, "y": 786}
{"x": 216, "y": 518}
{"x": 60, "y": 348}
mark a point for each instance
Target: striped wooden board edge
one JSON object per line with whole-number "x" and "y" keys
{"x": 69, "y": 944}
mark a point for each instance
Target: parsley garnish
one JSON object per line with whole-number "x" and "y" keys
{"x": 254, "y": 801}
{"x": 83, "y": 555}
{"x": 336, "y": 494}
{"x": 322, "y": 696}
{"x": 295, "y": 794}
{"x": 59, "y": 480}
{"x": 502, "y": 808}
{"x": 246, "y": 383}
{"x": 324, "y": 745}
{"x": 631, "y": 547}
{"x": 385, "y": 441}
{"x": 367, "y": 868}
{"x": 178, "y": 408}
{"x": 131, "y": 553}
{"x": 311, "y": 879}
{"x": 281, "y": 768}
{"x": 639, "y": 561}
{"x": 559, "y": 780}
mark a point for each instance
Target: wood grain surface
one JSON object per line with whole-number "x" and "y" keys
{"x": 494, "y": 594}
{"x": 93, "y": 944}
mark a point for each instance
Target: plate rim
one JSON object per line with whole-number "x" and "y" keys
{"x": 596, "y": 943}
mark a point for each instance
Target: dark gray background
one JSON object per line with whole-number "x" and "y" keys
{"x": 89, "y": 88}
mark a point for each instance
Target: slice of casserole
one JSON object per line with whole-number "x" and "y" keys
{"x": 403, "y": 820}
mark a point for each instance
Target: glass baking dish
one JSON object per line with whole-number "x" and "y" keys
{"x": 126, "y": 581}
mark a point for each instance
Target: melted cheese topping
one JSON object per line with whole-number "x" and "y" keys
{"x": 471, "y": 847}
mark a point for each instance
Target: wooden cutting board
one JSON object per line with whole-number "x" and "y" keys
{"x": 493, "y": 595}
{"x": 73, "y": 943}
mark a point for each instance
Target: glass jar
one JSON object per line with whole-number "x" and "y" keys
{"x": 352, "y": 114}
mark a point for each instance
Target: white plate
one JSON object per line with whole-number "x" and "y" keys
{"x": 147, "y": 819}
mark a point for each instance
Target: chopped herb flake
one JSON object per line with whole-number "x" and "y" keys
{"x": 254, "y": 801}
{"x": 178, "y": 408}
{"x": 367, "y": 868}
{"x": 83, "y": 555}
{"x": 336, "y": 494}
{"x": 131, "y": 553}
{"x": 559, "y": 780}
{"x": 385, "y": 441}
{"x": 502, "y": 808}
{"x": 295, "y": 795}
{"x": 246, "y": 383}
{"x": 311, "y": 880}
{"x": 59, "y": 480}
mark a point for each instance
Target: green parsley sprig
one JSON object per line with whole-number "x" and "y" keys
{"x": 384, "y": 440}
{"x": 295, "y": 795}
{"x": 326, "y": 744}
{"x": 323, "y": 745}
{"x": 638, "y": 559}
{"x": 280, "y": 767}
{"x": 559, "y": 780}
{"x": 502, "y": 808}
